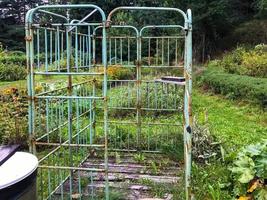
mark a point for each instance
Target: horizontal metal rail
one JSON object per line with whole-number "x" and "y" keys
{"x": 69, "y": 97}
{"x": 69, "y": 73}
{"x": 70, "y": 145}
{"x": 71, "y": 168}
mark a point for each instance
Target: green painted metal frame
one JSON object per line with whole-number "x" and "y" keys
{"x": 187, "y": 74}
{"x": 70, "y": 90}
{"x": 82, "y": 61}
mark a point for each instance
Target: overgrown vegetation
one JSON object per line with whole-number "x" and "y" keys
{"x": 12, "y": 72}
{"x": 242, "y": 61}
{"x": 227, "y": 164}
{"x": 13, "y": 115}
{"x": 224, "y": 122}
{"x": 240, "y": 74}
{"x": 249, "y": 171}
{"x": 12, "y": 65}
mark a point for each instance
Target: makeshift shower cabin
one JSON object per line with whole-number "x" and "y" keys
{"x": 109, "y": 103}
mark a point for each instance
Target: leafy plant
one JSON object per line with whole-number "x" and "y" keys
{"x": 140, "y": 158}
{"x": 249, "y": 171}
{"x": 154, "y": 167}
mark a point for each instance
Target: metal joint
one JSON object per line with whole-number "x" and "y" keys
{"x": 188, "y": 129}
{"x": 28, "y": 38}
{"x": 108, "y": 23}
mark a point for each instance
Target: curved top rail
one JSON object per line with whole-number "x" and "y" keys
{"x": 54, "y": 14}
{"x": 148, "y": 8}
{"x": 160, "y": 26}
{"x": 30, "y": 13}
{"x": 118, "y": 26}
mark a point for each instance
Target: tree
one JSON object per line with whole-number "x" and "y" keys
{"x": 12, "y": 18}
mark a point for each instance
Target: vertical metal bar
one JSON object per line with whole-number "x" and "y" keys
{"x": 168, "y": 53}
{"x": 83, "y": 43}
{"x": 47, "y": 117}
{"x": 38, "y": 48}
{"x": 80, "y": 42}
{"x": 55, "y": 50}
{"x": 60, "y": 110}
{"x": 90, "y": 50}
{"x": 121, "y": 50}
{"x": 76, "y": 49}
{"x": 94, "y": 110}
{"x": 94, "y": 50}
{"x": 78, "y": 118}
{"x": 104, "y": 60}
{"x": 87, "y": 51}
{"x": 90, "y": 122}
{"x": 68, "y": 46}
{"x": 30, "y": 83}
{"x": 138, "y": 85}
{"x": 157, "y": 51}
{"x": 40, "y": 184}
{"x": 162, "y": 51}
{"x": 62, "y": 46}
{"x": 58, "y": 49}
{"x": 115, "y": 48}
{"x": 149, "y": 56}
{"x": 187, "y": 106}
{"x": 61, "y": 185}
{"x": 176, "y": 52}
{"x": 110, "y": 48}
{"x": 49, "y": 181}
{"x": 51, "y": 47}
{"x": 46, "y": 57}
{"x": 128, "y": 51}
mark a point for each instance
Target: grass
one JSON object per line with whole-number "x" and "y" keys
{"x": 234, "y": 123}
{"x": 22, "y": 84}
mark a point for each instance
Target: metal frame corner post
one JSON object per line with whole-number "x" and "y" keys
{"x": 30, "y": 80}
{"x": 105, "y": 88}
{"x": 188, "y": 106}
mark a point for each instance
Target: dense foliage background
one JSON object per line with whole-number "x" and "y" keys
{"x": 219, "y": 25}
{"x": 230, "y": 87}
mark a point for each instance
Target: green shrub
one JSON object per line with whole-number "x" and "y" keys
{"x": 13, "y": 57}
{"x": 12, "y": 72}
{"x": 232, "y": 61}
{"x": 13, "y": 123}
{"x": 235, "y": 86}
{"x": 246, "y": 62}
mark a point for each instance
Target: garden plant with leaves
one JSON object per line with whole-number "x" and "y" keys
{"x": 249, "y": 172}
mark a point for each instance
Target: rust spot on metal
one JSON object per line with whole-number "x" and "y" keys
{"x": 138, "y": 81}
{"x": 28, "y": 38}
{"x": 32, "y": 138}
{"x": 108, "y": 23}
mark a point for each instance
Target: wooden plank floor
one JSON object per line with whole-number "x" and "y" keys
{"x": 130, "y": 177}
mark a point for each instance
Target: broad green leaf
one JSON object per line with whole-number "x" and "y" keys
{"x": 246, "y": 176}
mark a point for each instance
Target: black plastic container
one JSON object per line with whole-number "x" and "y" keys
{"x": 18, "y": 177}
